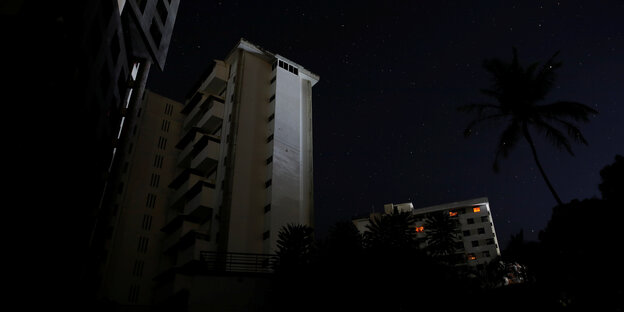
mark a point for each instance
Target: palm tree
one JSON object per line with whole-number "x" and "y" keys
{"x": 517, "y": 91}
{"x": 442, "y": 235}
{"x": 391, "y": 231}
{"x": 295, "y": 246}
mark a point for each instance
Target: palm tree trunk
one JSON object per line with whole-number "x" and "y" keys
{"x": 527, "y": 136}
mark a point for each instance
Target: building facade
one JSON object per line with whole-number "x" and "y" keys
{"x": 139, "y": 202}
{"x": 210, "y": 183}
{"x": 477, "y": 244}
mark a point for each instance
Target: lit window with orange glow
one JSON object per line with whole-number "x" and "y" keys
{"x": 420, "y": 229}
{"x": 476, "y": 209}
{"x": 452, "y": 213}
{"x": 472, "y": 257}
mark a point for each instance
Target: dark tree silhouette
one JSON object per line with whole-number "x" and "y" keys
{"x": 391, "y": 231}
{"x": 295, "y": 246}
{"x": 612, "y": 186}
{"x": 517, "y": 91}
{"x": 442, "y": 235}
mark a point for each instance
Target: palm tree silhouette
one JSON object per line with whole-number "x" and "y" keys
{"x": 442, "y": 235}
{"x": 391, "y": 231}
{"x": 517, "y": 91}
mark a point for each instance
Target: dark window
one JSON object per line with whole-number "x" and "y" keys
{"x": 138, "y": 268}
{"x": 273, "y": 79}
{"x": 481, "y": 231}
{"x": 270, "y": 138}
{"x": 475, "y": 243}
{"x": 268, "y": 183}
{"x": 484, "y": 219}
{"x": 133, "y": 294}
{"x": 272, "y": 117}
{"x": 269, "y": 160}
{"x": 467, "y": 233}
{"x": 147, "y": 222}
{"x": 142, "y": 4}
{"x": 162, "y": 11}
{"x": 266, "y": 235}
{"x": 296, "y": 72}
{"x": 267, "y": 208}
{"x": 272, "y": 98}
{"x": 486, "y": 253}
{"x": 155, "y": 32}
{"x": 142, "y": 245}
{"x": 470, "y": 220}
{"x": 489, "y": 241}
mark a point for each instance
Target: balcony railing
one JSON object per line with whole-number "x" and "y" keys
{"x": 238, "y": 262}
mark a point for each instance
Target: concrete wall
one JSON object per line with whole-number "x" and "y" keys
{"x": 146, "y": 133}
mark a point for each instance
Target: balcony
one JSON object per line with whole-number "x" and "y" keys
{"x": 199, "y": 208}
{"x": 213, "y": 118}
{"x": 193, "y": 144}
{"x": 188, "y": 189}
{"x": 238, "y": 262}
{"x": 213, "y": 105}
{"x": 217, "y": 80}
{"x": 206, "y": 154}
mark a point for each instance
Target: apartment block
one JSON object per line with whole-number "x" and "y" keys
{"x": 139, "y": 201}
{"x": 477, "y": 244}
{"x": 204, "y": 187}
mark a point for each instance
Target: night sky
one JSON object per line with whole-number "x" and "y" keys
{"x": 386, "y": 125}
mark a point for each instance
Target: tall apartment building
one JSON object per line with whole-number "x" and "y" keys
{"x": 139, "y": 202}
{"x": 236, "y": 167}
{"x": 478, "y": 243}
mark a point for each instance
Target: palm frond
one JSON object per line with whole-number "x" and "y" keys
{"x": 556, "y": 137}
{"x": 573, "y": 131}
{"x": 562, "y": 109}
{"x": 478, "y": 107}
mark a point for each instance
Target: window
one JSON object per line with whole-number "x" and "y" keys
{"x": 147, "y": 222}
{"x": 158, "y": 161}
{"x": 489, "y": 241}
{"x": 272, "y": 98}
{"x": 481, "y": 231}
{"x": 165, "y": 125}
{"x": 268, "y": 183}
{"x": 137, "y": 270}
{"x": 142, "y": 5}
{"x": 471, "y": 257}
{"x": 476, "y": 209}
{"x": 267, "y": 208}
{"x": 272, "y": 117}
{"x": 452, "y": 213}
{"x": 168, "y": 109}
{"x": 155, "y": 32}
{"x": 270, "y": 138}
{"x": 269, "y": 160}
{"x": 142, "y": 245}
{"x": 466, "y": 233}
{"x": 133, "y": 295}
{"x": 154, "y": 180}
{"x": 151, "y": 201}
{"x": 273, "y": 79}
{"x": 470, "y": 220}
{"x": 485, "y": 219}
{"x": 266, "y": 235}
{"x": 420, "y": 229}
{"x": 162, "y": 143}
{"x": 162, "y": 11}
{"x": 486, "y": 253}
{"x": 475, "y": 243}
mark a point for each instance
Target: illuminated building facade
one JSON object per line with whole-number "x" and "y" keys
{"x": 478, "y": 243}
{"x": 214, "y": 180}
